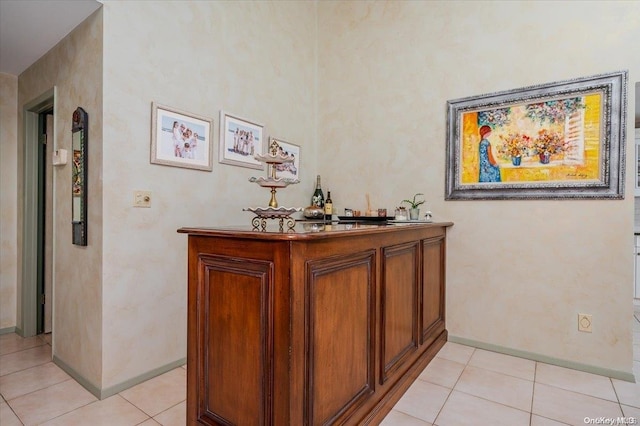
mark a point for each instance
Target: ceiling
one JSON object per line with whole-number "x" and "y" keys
{"x": 30, "y": 28}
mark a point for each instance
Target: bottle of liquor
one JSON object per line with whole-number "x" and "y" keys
{"x": 317, "y": 199}
{"x": 328, "y": 207}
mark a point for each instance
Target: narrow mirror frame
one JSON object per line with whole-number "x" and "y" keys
{"x": 79, "y": 177}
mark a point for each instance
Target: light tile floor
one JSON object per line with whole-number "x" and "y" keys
{"x": 461, "y": 386}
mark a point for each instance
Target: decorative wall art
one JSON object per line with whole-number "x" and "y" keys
{"x": 240, "y": 140}
{"x": 181, "y": 139}
{"x": 551, "y": 141}
{"x": 287, "y": 170}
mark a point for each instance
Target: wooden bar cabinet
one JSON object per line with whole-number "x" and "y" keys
{"x": 321, "y": 325}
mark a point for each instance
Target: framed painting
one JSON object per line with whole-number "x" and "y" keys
{"x": 240, "y": 140}
{"x": 181, "y": 139}
{"x": 562, "y": 140}
{"x": 287, "y": 170}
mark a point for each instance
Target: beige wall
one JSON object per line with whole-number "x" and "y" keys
{"x": 519, "y": 272}
{"x": 252, "y": 59}
{"x": 74, "y": 68}
{"x": 8, "y": 200}
{"x": 361, "y": 87}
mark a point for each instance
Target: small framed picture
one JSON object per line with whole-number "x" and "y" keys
{"x": 240, "y": 140}
{"x": 287, "y": 170}
{"x": 181, "y": 139}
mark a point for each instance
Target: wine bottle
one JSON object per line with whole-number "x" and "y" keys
{"x": 328, "y": 207}
{"x": 317, "y": 199}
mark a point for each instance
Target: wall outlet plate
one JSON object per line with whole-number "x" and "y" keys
{"x": 584, "y": 323}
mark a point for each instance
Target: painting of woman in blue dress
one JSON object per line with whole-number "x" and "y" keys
{"x": 489, "y": 170}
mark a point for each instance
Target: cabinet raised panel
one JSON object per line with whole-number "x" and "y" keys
{"x": 432, "y": 313}
{"x": 340, "y": 329}
{"x": 235, "y": 322}
{"x": 399, "y": 317}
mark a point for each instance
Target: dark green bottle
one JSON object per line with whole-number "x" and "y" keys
{"x": 317, "y": 199}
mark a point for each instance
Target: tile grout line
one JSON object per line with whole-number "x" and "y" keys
{"x": 69, "y": 412}
{"x": 533, "y": 391}
{"x": 492, "y": 401}
{"x": 130, "y": 402}
{"x": 22, "y": 350}
{"x": 583, "y": 394}
{"x": 454, "y": 386}
{"x": 502, "y": 374}
{"x": 534, "y": 382}
{"x": 31, "y": 366}
{"x": 615, "y": 391}
{"x": 173, "y": 406}
{"x": 44, "y": 343}
{"x": 392, "y": 409}
{"x": 38, "y": 390}
{"x": 14, "y": 413}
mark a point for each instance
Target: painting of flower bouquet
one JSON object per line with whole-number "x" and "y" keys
{"x": 541, "y": 147}
{"x": 548, "y": 143}
{"x": 558, "y": 140}
{"x": 514, "y": 146}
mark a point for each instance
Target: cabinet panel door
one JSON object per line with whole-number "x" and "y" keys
{"x": 234, "y": 328}
{"x": 399, "y": 317}
{"x": 340, "y": 327}
{"x": 432, "y": 288}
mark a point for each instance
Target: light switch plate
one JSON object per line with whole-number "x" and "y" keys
{"x": 141, "y": 198}
{"x": 59, "y": 157}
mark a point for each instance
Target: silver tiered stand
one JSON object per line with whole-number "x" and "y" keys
{"x": 282, "y": 214}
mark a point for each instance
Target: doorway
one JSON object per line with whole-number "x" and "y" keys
{"x": 38, "y": 217}
{"x": 45, "y": 214}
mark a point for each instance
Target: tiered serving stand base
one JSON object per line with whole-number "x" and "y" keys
{"x": 281, "y": 214}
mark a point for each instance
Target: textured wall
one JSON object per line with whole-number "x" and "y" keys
{"x": 74, "y": 68}
{"x": 362, "y": 90}
{"x": 8, "y": 199}
{"x": 252, "y": 59}
{"x": 518, "y": 271}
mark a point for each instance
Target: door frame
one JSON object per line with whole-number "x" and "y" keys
{"x": 30, "y": 230}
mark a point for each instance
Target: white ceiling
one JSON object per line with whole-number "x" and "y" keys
{"x": 30, "y": 28}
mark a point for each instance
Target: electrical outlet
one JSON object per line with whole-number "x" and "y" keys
{"x": 584, "y": 323}
{"x": 141, "y": 198}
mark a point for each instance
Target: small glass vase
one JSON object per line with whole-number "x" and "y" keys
{"x": 414, "y": 214}
{"x": 401, "y": 214}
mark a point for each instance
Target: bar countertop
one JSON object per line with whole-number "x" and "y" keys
{"x": 305, "y": 230}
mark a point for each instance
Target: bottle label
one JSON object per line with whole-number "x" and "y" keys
{"x": 328, "y": 208}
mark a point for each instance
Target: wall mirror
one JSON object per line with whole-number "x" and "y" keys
{"x": 79, "y": 143}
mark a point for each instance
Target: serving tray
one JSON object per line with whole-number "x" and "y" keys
{"x": 365, "y": 218}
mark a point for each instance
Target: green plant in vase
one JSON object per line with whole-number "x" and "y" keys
{"x": 414, "y": 204}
